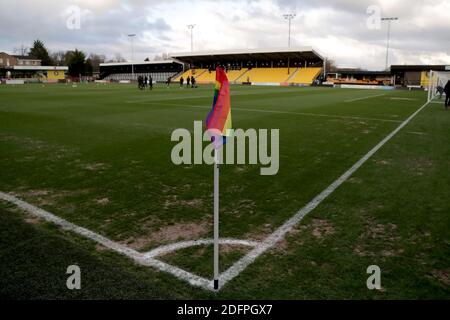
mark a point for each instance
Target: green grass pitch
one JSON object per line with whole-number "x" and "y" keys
{"x": 99, "y": 156}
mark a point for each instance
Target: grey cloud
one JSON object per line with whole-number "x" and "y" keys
{"x": 106, "y": 23}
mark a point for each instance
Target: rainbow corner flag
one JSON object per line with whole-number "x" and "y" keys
{"x": 218, "y": 121}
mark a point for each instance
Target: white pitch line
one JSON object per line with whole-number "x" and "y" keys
{"x": 133, "y": 254}
{"x": 438, "y": 102}
{"x": 364, "y": 98}
{"x": 279, "y": 234}
{"x": 233, "y": 94}
{"x": 406, "y": 99}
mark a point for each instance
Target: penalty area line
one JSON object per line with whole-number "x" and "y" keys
{"x": 364, "y": 98}
{"x": 279, "y": 234}
{"x": 308, "y": 114}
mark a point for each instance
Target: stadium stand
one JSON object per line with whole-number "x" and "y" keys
{"x": 414, "y": 76}
{"x": 296, "y": 66}
{"x": 159, "y": 70}
{"x": 157, "y": 76}
{"x": 260, "y": 66}
{"x": 359, "y": 77}
{"x": 207, "y": 76}
{"x": 259, "y": 75}
{"x": 237, "y": 75}
{"x": 267, "y": 75}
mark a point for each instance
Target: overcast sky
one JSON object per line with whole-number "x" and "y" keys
{"x": 343, "y": 30}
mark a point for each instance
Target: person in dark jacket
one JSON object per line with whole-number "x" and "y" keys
{"x": 140, "y": 82}
{"x": 447, "y": 94}
{"x": 188, "y": 81}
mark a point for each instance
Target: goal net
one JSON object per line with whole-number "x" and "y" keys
{"x": 438, "y": 80}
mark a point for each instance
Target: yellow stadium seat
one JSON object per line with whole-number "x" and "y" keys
{"x": 275, "y": 75}
{"x": 234, "y": 75}
{"x": 191, "y": 72}
{"x": 206, "y": 77}
{"x": 305, "y": 75}
{"x": 210, "y": 77}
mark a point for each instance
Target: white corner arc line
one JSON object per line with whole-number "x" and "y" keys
{"x": 162, "y": 250}
{"x": 317, "y": 115}
{"x": 403, "y": 99}
{"x": 279, "y": 234}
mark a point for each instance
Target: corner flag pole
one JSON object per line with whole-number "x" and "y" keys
{"x": 216, "y": 220}
{"x": 218, "y": 121}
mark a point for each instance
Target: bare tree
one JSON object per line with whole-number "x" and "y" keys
{"x": 163, "y": 56}
{"x": 330, "y": 65}
{"x": 59, "y": 57}
{"x": 95, "y": 60}
{"x": 22, "y": 50}
{"x": 118, "y": 58}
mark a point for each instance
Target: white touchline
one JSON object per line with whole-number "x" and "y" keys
{"x": 406, "y": 99}
{"x": 367, "y": 97}
{"x": 233, "y": 93}
{"x": 276, "y": 236}
{"x": 148, "y": 258}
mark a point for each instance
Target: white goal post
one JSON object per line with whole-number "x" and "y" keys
{"x": 437, "y": 79}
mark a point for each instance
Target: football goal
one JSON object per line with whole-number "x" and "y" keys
{"x": 438, "y": 80}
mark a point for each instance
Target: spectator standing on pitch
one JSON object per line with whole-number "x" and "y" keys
{"x": 168, "y": 82}
{"x": 145, "y": 82}
{"x": 192, "y": 82}
{"x": 151, "y": 83}
{"x": 188, "y": 81}
{"x": 181, "y": 82}
{"x": 140, "y": 82}
{"x": 447, "y": 94}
